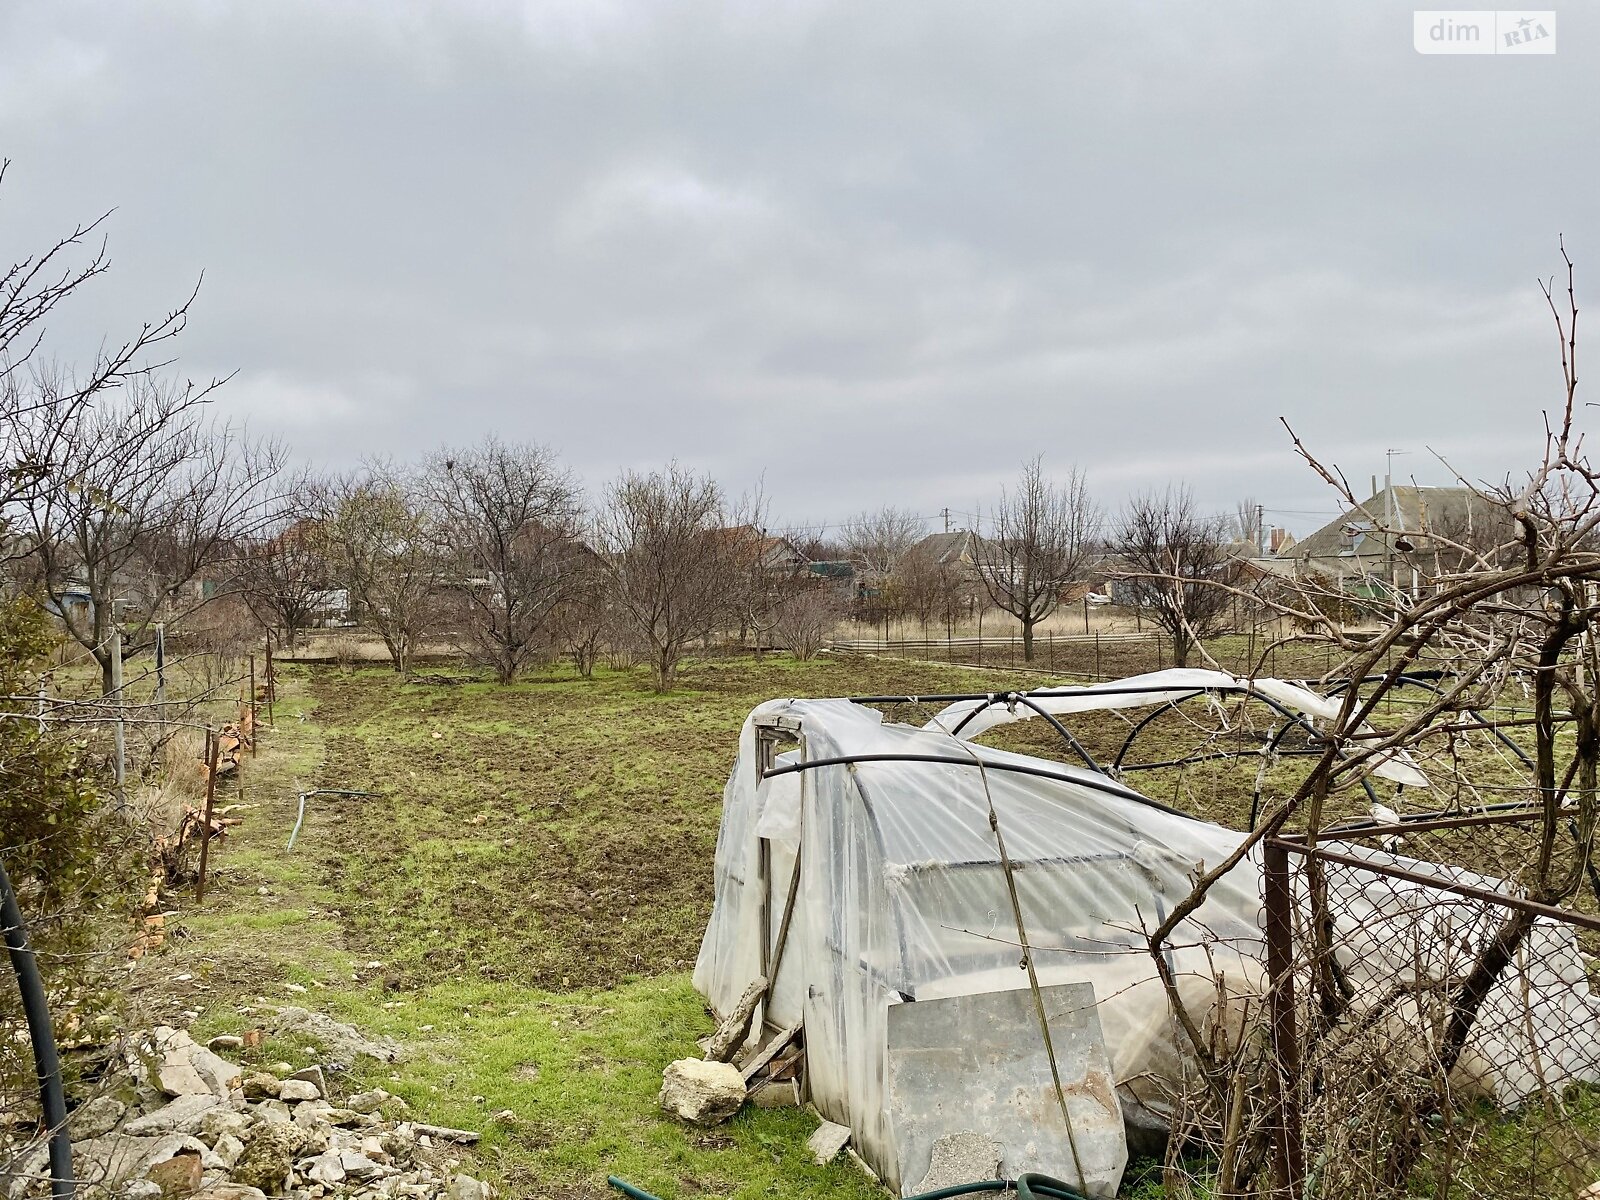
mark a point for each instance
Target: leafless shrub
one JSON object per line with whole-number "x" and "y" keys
{"x": 806, "y": 618}
{"x": 1176, "y": 562}
{"x": 672, "y": 570}
{"x": 875, "y": 543}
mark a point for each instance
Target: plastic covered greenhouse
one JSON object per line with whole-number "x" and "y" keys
{"x": 857, "y": 868}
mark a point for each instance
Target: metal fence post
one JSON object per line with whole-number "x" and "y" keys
{"x": 213, "y": 751}
{"x": 255, "y": 733}
{"x": 1287, "y": 1135}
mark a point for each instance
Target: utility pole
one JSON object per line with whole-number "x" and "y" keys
{"x": 1261, "y": 531}
{"x": 945, "y": 513}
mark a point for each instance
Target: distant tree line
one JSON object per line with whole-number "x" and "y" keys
{"x": 143, "y": 507}
{"x": 129, "y": 504}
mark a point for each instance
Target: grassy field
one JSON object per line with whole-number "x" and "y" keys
{"x": 533, "y": 878}
{"x": 521, "y": 901}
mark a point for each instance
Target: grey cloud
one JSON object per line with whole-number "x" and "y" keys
{"x": 879, "y": 253}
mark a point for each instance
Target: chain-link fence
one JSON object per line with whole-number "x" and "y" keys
{"x": 1434, "y": 1028}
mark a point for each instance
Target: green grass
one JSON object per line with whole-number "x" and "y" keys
{"x": 532, "y": 880}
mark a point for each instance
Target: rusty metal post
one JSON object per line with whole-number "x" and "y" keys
{"x": 213, "y": 746}
{"x": 255, "y": 733}
{"x": 1287, "y": 1136}
{"x": 272, "y": 688}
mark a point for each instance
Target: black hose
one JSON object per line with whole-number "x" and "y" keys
{"x": 46, "y": 1062}
{"x": 1026, "y": 1186}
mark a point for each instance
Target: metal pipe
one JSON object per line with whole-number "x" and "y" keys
{"x": 46, "y": 1062}
{"x": 304, "y": 796}
{"x": 1063, "y": 731}
{"x": 1100, "y": 784}
{"x": 213, "y": 751}
{"x": 1278, "y": 900}
{"x": 1472, "y": 892}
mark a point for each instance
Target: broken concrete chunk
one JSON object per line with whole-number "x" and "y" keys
{"x": 273, "y": 1112}
{"x": 731, "y": 1034}
{"x": 96, "y": 1117}
{"x": 701, "y": 1092}
{"x": 344, "y": 1042}
{"x": 219, "y": 1122}
{"x": 325, "y": 1168}
{"x": 462, "y": 1137}
{"x": 312, "y": 1113}
{"x": 171, "y": 1061}
{"x": 268, "y": 1155}
{"x": 369, "y": 1102}
{"x": 465, "y": 1187}
{"x": 779, "y": 1093}
{"x": 258, "y": 1085}
{"x": 228, "y": 1149}
{"x": 313, "y": 1074}
{"x": 827, "y": 1141}
{"x": 186, "y": 1114}
{"x": 357, "y": 1165}
{"x": 178, "y": 1175}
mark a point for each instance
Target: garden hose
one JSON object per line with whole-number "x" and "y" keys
{"x": 1027, "y": 1186}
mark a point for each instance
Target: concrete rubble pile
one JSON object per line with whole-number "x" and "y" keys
{"x": 180, "y": 1121}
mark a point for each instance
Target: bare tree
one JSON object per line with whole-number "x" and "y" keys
{"x": 145, "y": 496}
{"x": 875, "y": 542}
{"x": 1175, "y": 560}
{"x": 1247, "y": 526}
{"x": 39, "y": 407}
{"x": 1040, "y": 543}
{"x": 284, "y": 576}
{"x": 511, "y": 519}
{"x": 383, "y": 545}
{"x": 589, "y": 620}
{"x": 672, "y": 569}
{"x": 767, "y": 568}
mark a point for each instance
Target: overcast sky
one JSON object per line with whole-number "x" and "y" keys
{"x": 875, "y": 252}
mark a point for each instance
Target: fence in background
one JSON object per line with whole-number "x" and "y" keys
{"x": 1086, "y": 654}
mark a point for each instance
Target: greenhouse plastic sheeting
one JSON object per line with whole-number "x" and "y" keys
{"x": 903, "y": 898}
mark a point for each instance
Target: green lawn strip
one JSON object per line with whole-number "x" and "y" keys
{"x": 533, "y": 877}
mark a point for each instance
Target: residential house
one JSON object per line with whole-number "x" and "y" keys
{"x": 1396, "y": 540}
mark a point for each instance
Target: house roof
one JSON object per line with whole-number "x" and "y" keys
{"x": 769, "y": 548}
{"x": 945, "y": 548}
{"x": 1415, "y": 510}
